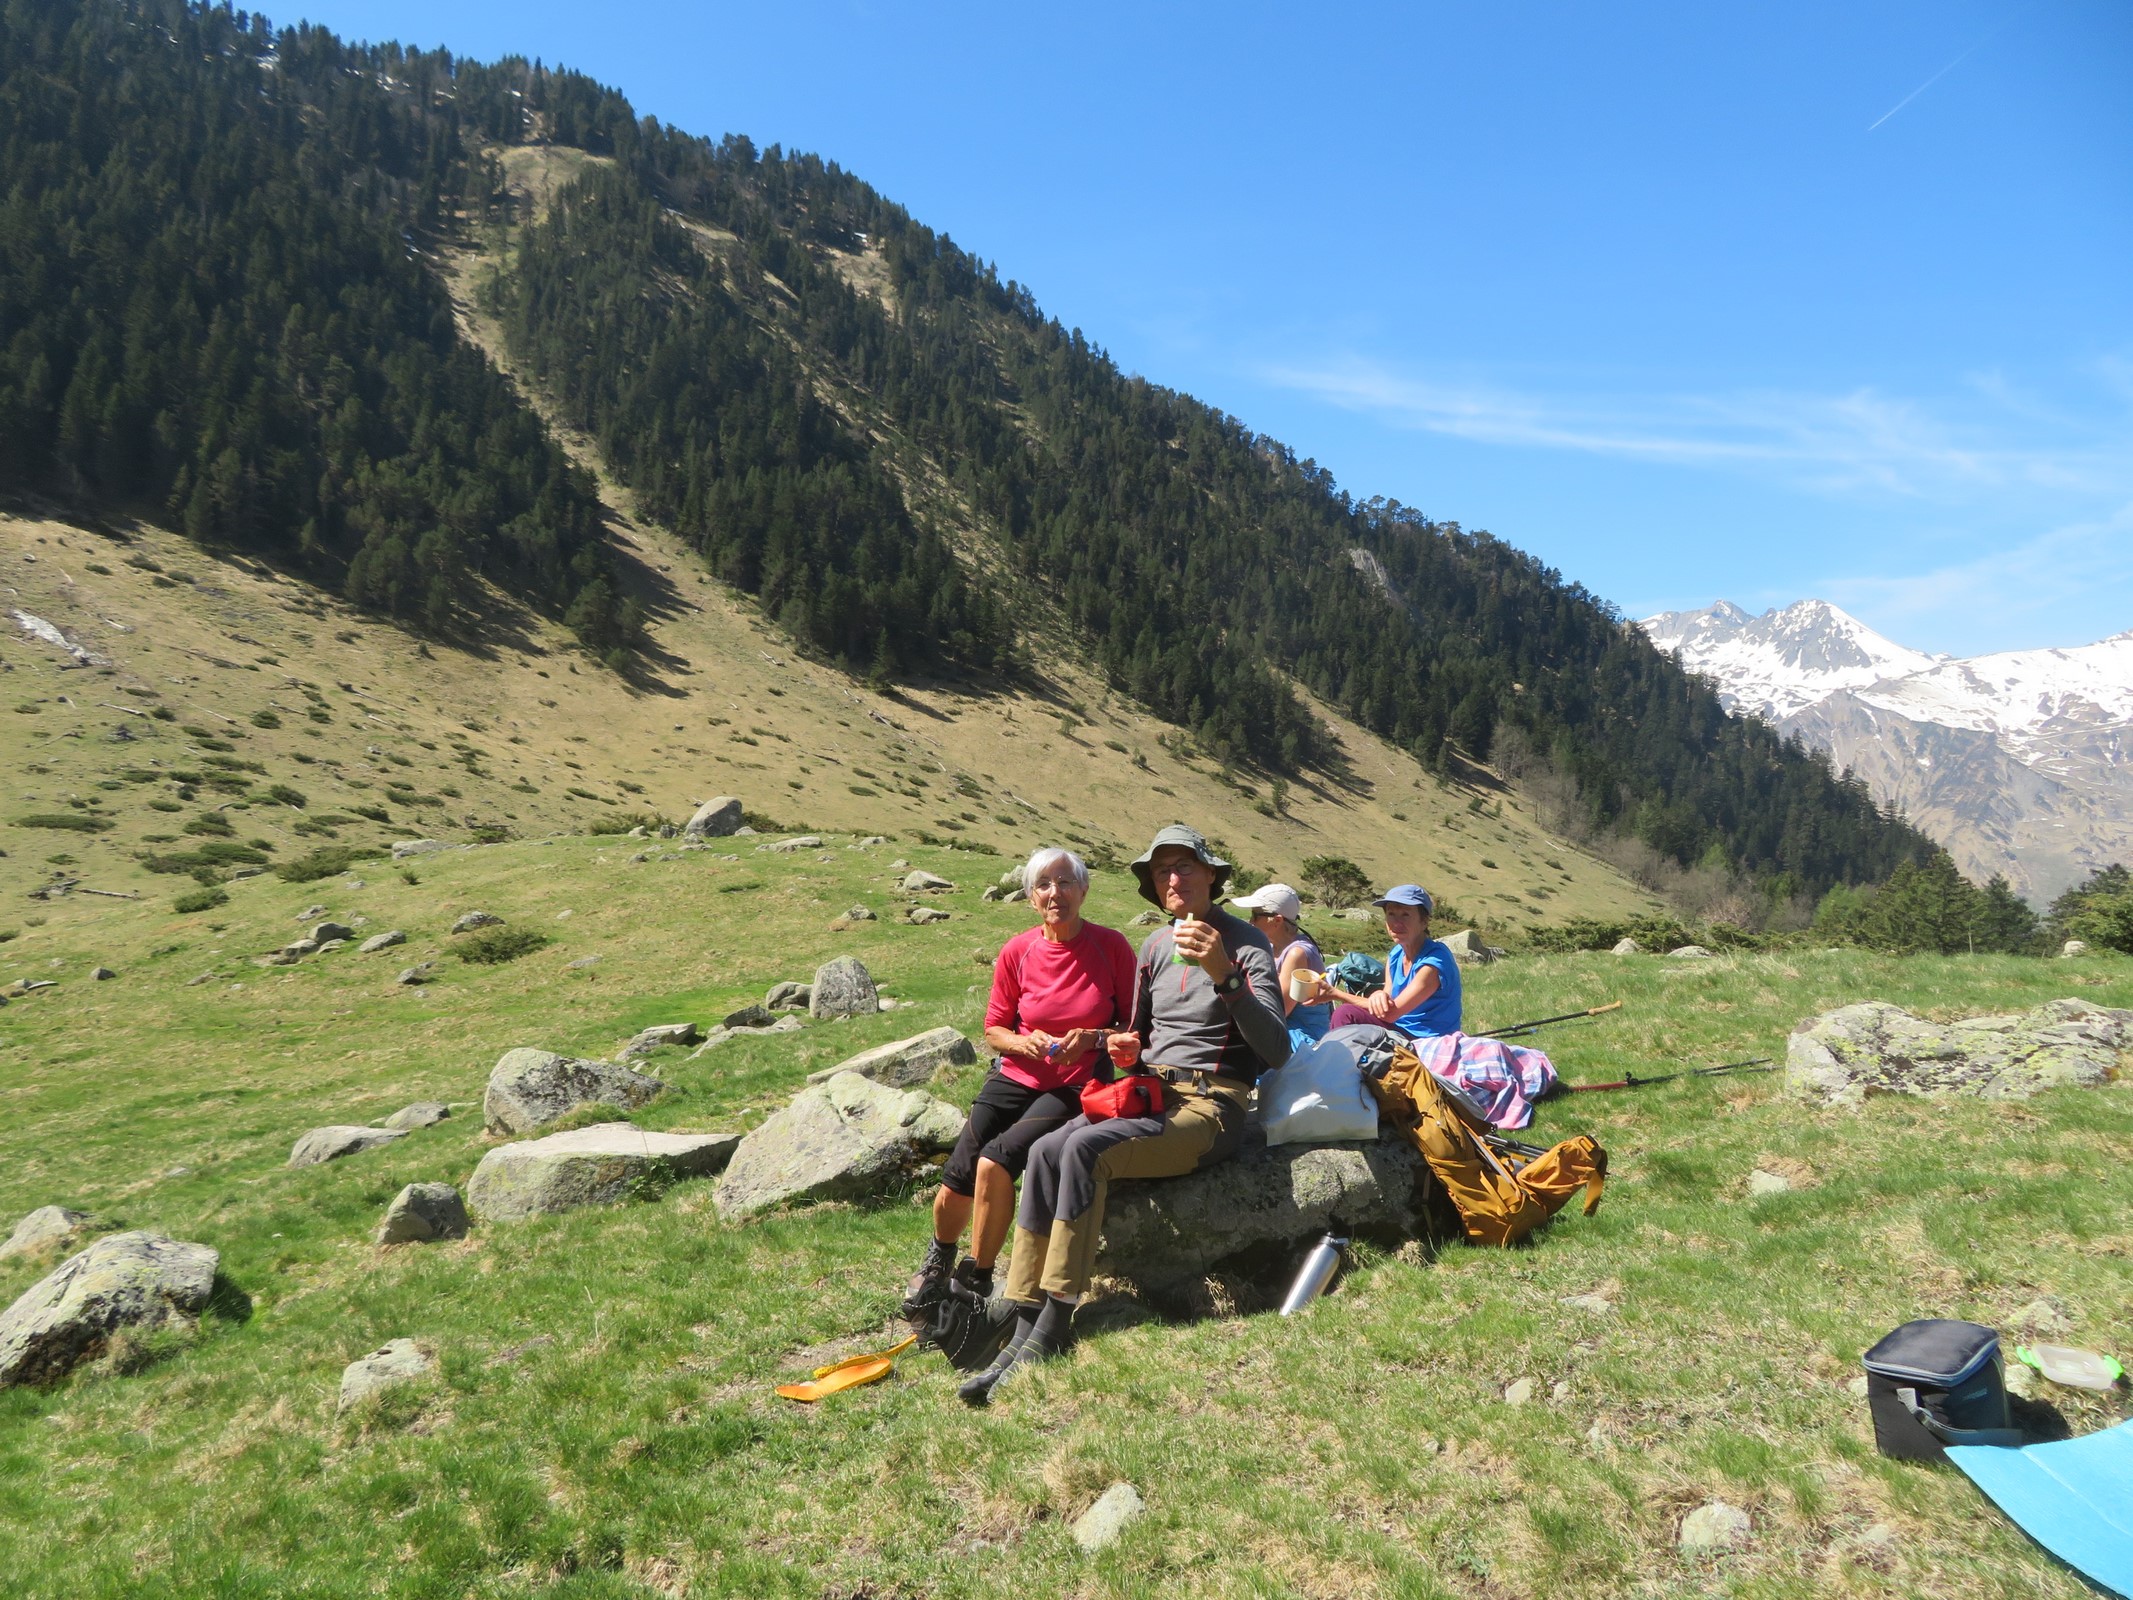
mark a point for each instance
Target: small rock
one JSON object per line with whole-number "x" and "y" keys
{"x": 1099, "y": 1527}
{"x": 1881, "y": 1538}
{"x": 869, "y": 842}
{"x": 422, "y": 1114}
{"x": 750, "y": 1016}
{"x": 663, "y": 1033}
{"x": 991, "y": 893}
{"x": 395, "y": 1362}
{"x": 1148, "y": 919}
{"x": 1519, "y": 1393}
{"x": 1560, "y": 1394}
{"x": 715, "y": 819}
{"x": 101, "y": 973}
{"x": 205, "y": 977}
{"x": 899, "y": 865}
{"x": 906, "y": 1063}
{"x": 416, "y": 974}
{"x": 1715, "y": 1525}
{"x": 1691, "y": 952}
{"x": 579, "y": 964}
{"x": 1467, "y": 945}
{"x": 1628, "y": 947}
{"x": 785, "y": 847}
{"x": 526, "y": 1347}
{"x": 332, "y": 945}
{"x": 331, "y": 930}
{"x": 381, "y": 941}
{"x": 860, "y": 914}
{"x": 1014, "y": 896}
{"x": 422, "y": 1212}
{"x": 1857, "y": 1387}
{"x": 2040, "y": 1317}
{"x": 403, "y": 848}
{"x": 922, "y": 915}
{"x": 296, "y": 949}
{"x": 2021, "y": 1380}
{"x": 743, "y": 832}
{"x": 1597, "y": 1304}
{"x": 322, "y": 1145}
{"x": 890, "y": 1005}
{"x": 46, "y": 1228}
{"x": 477, "y": 919}
{"x": 842, "y": 988}
{"x": 2073, "y": 947}
{"x": 923, "y": 882}
{"x": 1762, "y": 1183}
{"x": 309, "y": 912}
{"x": 788, "y": 996}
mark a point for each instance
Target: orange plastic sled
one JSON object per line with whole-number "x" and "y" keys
{"x": 849, "y": 1373}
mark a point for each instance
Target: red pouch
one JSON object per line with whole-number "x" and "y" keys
{"x": 1140, "y": 1094}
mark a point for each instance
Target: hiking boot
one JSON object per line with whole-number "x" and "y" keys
{"x": 928, "y": 1284}
{"x": 976, "y": 1390}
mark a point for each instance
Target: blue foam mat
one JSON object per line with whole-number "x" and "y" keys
{"x": 2074, "y": 1497}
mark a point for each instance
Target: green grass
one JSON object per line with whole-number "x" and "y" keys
{"x": 1362, "y": 1449}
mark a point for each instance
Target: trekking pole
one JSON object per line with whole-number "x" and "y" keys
{"x": 1542, "y": 1022}
{"x": 1629, "y": 1080}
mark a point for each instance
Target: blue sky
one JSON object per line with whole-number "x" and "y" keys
{"x": 1753, "y": 301}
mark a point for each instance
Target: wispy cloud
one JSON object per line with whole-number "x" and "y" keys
{"x": 2037, "y": 578}
{"x": 1863, "y": 440}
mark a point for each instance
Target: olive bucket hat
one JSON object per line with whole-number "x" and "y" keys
{"x": 1189, "y": 838}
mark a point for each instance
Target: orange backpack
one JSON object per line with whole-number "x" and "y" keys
{"x": 1503, "y": 1189}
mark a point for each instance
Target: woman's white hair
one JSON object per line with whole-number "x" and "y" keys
{"x": 1044, "y": 855}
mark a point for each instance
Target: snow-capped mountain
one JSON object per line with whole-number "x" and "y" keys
{"x": 2020, "y": 763}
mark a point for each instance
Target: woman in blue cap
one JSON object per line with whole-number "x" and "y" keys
{"x": 1421, "y": 993}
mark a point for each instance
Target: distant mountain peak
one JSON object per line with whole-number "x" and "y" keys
{"x": 2017, "y": 761}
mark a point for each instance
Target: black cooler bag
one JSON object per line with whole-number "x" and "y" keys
{"x": 1936, "y": 1383}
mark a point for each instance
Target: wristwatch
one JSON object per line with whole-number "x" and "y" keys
{"x": 1231, "y": 984}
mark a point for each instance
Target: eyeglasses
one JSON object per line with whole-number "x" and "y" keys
{"x": 1176, "y": 869}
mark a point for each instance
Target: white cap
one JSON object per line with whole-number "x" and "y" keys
{"x": 1278, "y": 898}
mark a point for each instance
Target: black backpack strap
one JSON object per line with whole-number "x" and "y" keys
{"x": 2005, "y": 1438}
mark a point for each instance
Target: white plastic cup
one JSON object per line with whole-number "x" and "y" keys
{"x": 1302, "y": 985}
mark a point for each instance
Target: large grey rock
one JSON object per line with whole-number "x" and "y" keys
{"x": 1690, "y": 952}
{"x": 322, "y": 1145}
{"x": 1099, "y": 1527}
{"x": 597, "y": 1166}
{"x": 921, "y": 915}
{"x": 715, "y": 819}
{"x": 477, "y": 919}
{"x": 788, "y": 996}
{"x": 403, "y": 848}
{"x": 843, "y": 988}
{"x": 395, "y": 1362}
{"x": 1169, "y": 1231}
{"x": 844, "y": 1138}
{"x": 1877, "y": 1048}
{"x": 1468, "y": 947}
{"x": 1628, "y": 947}
{"x": 923, "y": 881}
{"x": 46, "y": 1228}
{"x": 123, "y": 1281}
{"x": 421, "y": 1212}
{"x": 906, "y": 1063}
{"x": 2073, "y": 948}
{"x": 422, "y": 1114}
{"x": 529, "y": 1089}
{"x": 788, "y": 1023}
{"x": 381, "y": 941}
{"x": 785, "y": 847}
{"x": 326, "y": 931}
{"x": 415, "y": 976}
{"x": 748, "y": 1016}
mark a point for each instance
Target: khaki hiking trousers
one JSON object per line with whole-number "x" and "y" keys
{"x": 1070, "y": 1172}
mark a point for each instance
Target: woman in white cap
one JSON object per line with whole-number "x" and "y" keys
{"x": 1276, "y": 910}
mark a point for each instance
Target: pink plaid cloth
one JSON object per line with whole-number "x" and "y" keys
{"x": 1504, "y": 1079}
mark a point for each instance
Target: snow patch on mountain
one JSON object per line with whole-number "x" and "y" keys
{"x": 1782, "y": 661}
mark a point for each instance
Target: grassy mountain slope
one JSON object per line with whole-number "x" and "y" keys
{"x": 604, "y": 1426}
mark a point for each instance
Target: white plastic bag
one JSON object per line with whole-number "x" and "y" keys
{"x": 1316, "y": 1097}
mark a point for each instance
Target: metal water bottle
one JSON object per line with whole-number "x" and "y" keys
{"x": 1318, "y": 1269}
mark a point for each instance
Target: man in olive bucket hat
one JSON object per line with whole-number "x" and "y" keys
{"x": 1208, "y": 1016}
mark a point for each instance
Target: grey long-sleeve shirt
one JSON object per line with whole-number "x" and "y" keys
{"x": 1184, "y": 1023}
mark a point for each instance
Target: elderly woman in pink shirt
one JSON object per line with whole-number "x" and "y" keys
{"x": 1056, "y": 989}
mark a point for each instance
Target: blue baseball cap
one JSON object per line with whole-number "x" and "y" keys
{"x": 1406, "y": 894}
